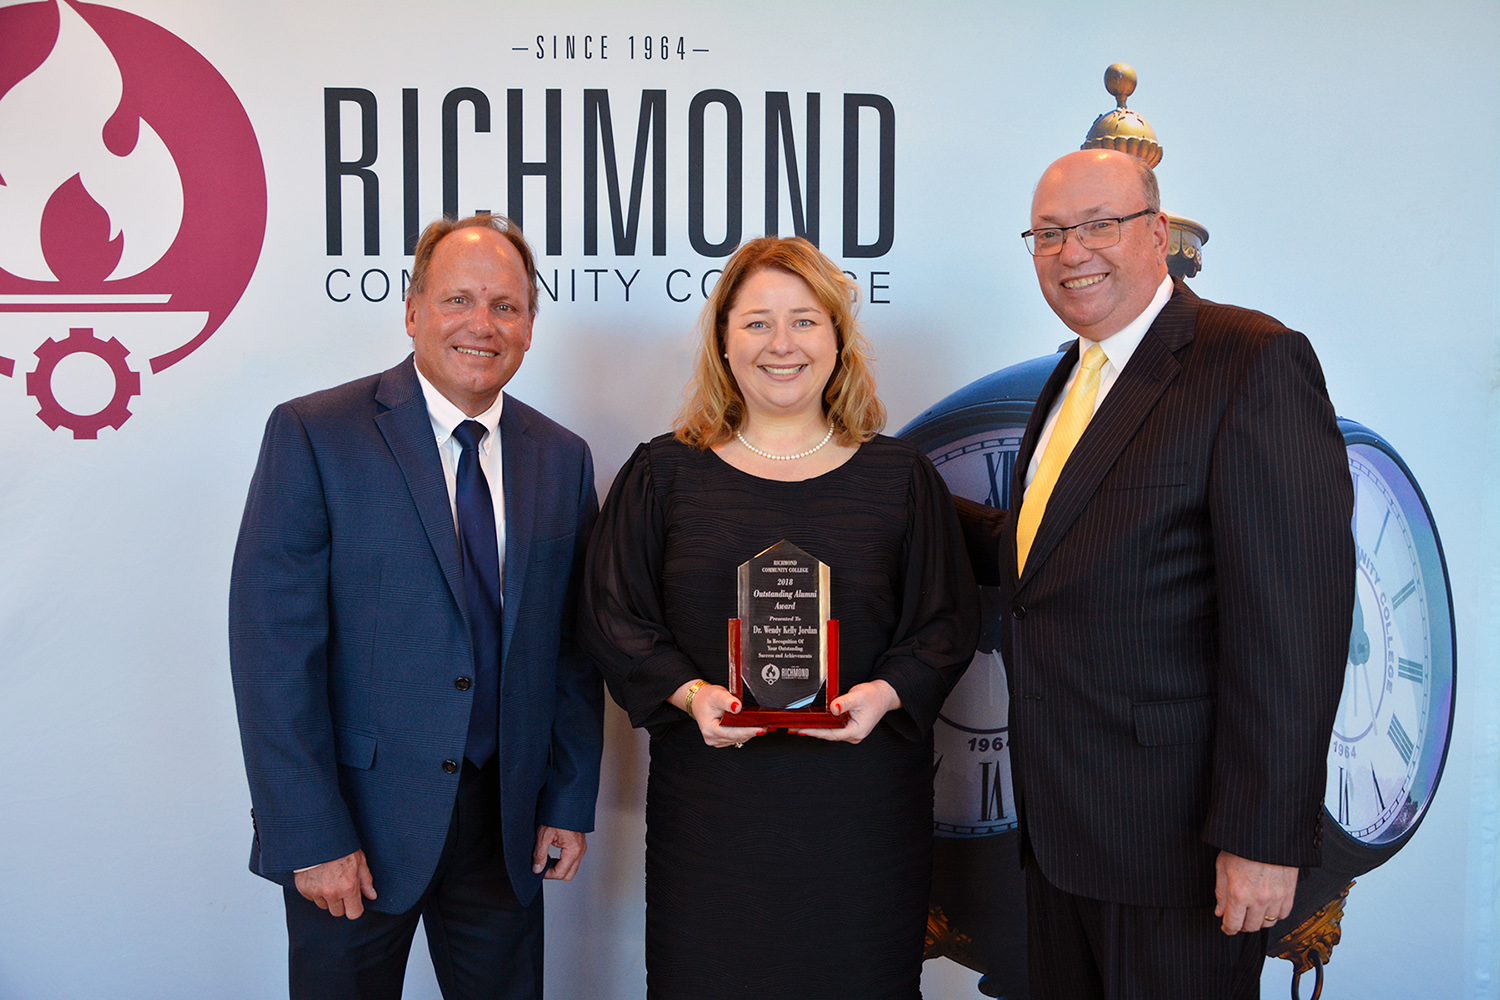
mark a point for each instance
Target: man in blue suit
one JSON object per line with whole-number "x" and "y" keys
{"x": 420, "y": 730}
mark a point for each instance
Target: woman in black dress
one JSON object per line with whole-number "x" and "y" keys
{"x": 779, "y": 864}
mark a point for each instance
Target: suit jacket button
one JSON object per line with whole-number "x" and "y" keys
{"x": 463, "y": 684}
{"x": 1018, "y": 612}
{"x": 450, "y": 767}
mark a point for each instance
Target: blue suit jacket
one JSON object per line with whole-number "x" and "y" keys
{"x": 348, "y": 630}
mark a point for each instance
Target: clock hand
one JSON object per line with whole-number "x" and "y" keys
{"x": 1359, "y": 639}
{"x": 1369, "y": 694}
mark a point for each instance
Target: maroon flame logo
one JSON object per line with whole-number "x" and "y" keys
{"x": 132, "y": 199}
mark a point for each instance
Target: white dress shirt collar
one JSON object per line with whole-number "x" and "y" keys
{"x": 1118, "y": 347}
{"x": 446, "y": 417}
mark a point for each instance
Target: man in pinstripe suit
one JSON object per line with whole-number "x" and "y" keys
{"x": 419, "y": 728}
{"x": 1182, "y": 595}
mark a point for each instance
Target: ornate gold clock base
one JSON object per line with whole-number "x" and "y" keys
{"x": 1309, "y": 945}
{"x": 945, "y": 942}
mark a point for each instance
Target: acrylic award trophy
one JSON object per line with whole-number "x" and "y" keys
{"x": 783, "y": 648}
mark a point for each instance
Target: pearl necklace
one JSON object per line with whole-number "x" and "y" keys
{"x": 786, "y": 458}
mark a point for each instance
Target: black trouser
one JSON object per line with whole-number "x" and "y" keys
{"x": 1080, "y": 949}
{"x": 484, "y": 943}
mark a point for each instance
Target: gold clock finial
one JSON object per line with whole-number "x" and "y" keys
{"x": 1127, "y": 131}
{"x": 1122, "y": 128}
{"x": 1119, "y": 80}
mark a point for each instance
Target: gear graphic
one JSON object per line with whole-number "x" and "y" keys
{"x": 85, "y": 426}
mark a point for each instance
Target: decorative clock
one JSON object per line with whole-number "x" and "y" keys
{"x": 978, "y": 912}
{"x": 1389, "y": 742}
{"x": 1395, "y": 720}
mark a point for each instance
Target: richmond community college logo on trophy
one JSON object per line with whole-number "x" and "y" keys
{"x": 132, "y": 206}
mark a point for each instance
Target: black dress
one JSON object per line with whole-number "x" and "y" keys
{"x": 793, "y": 868}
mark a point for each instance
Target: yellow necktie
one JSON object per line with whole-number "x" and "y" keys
{"x": 1071, "y": 420}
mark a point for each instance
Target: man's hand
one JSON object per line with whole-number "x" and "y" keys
{"x": 570, "y": 846}
{"x": 1252, "y": 895}
{"x": 340, "y": 887}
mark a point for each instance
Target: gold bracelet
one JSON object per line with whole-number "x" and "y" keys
{"x": 687, "y": 703}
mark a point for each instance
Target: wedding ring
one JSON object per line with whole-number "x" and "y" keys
{"x": 1270, "y": 920}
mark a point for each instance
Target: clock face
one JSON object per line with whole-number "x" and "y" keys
{"x": 972, "y": 438}
{"x": 979, "y": 465}
{"x": 1391, "y": 732}
{"x": 978, "y": 896}
{"x": 972, "y": 791}
{"x": 973, "y": 795}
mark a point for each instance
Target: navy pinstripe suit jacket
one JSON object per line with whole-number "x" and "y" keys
{"x": 347, "y": 628}
{"x": 1176, "y": 645}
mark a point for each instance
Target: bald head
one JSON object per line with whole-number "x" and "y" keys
{"x": 1097, "y": 292}
{"x": 1111, "y": 160}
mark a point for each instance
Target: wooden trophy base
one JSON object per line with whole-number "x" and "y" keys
{"x": 801, "y": 718}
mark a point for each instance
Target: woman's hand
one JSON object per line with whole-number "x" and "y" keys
{"x": 866, "y": 704}
{"x": 710, "y": 704}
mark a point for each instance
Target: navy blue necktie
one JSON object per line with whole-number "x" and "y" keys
{"x": 481, "y": 557}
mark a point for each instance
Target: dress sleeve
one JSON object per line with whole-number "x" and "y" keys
{"x": 621, "y": 615}
{"x": 278, "y": 656}
{"x": 939, "y": 625}
{"x": 984, "y": 531}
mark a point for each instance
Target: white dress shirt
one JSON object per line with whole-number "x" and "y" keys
{"x": 445, "y": 417}
{"x": 1117, "y": 347}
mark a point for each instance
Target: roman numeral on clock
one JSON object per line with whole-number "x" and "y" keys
{"x": 999, "y": 466}
{"x": 1403, "y": 742}
{"x": 1411, "y": 669}
{"x": 1404, "y": 593}
{"x": 991, "y": 805}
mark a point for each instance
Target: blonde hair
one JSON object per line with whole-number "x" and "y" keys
{"x": 715, "y": 407}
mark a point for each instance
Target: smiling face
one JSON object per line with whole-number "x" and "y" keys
{"x": 782, "y": 345}
{"x": 471, "y": 324}
{"x": 1098, "y": 292}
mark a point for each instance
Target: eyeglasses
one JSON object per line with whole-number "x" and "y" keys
{"x": 1096, "y": 234}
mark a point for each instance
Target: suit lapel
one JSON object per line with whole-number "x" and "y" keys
{"x": 519, "y": 451}
{"x": 407, "y": 430}
{"x": 1152, "y": 368}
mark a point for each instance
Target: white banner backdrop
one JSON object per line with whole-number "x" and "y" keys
{"x": 1343, "y": 157}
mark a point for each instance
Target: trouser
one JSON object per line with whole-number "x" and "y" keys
{"x": 1080, "y": 949}
{"x": 484, "y": 944}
